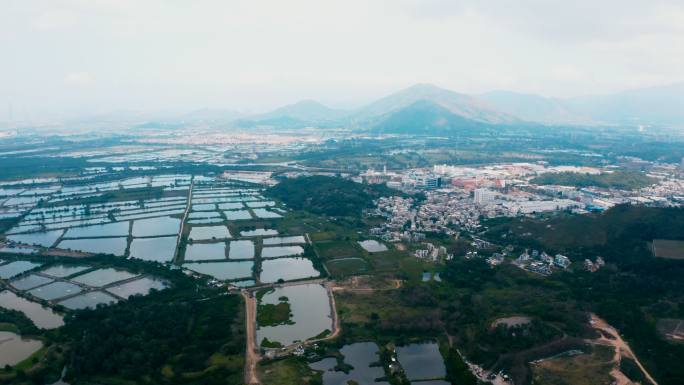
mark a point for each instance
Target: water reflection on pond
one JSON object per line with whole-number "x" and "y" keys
{"x": 241, "y": 250}
{"x": 15, "y": 268}
{"x": 311, "y": 314}
{"x": 159, "y": 249}
{"x": 107, "y": 230}
{"x": 45, "y": 239}
{"x": 372, "y": 246}
{"x": 41, "y": 316}
{"x": 88, "y": 300}
{"x": 156, "y": 226}
{"x": 421, "y": 361}
{"x": 287, "y": 269}
{"x": 205, "y": 251}
{"x": 14, "y": 348}
{"x": 114, "y": 246}
{"x": 281, "y": 251}
{"x": 222, "y": 270}
{"x": 360, "y": 356}
{"x": 208, "y": 233}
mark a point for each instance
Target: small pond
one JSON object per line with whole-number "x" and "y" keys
{"x": 15, "y": 268}
{"x": 284, "y": 240}
{"x": 113, "y": 246}
{"x": 55, "y": 290}
{"x": 266, "y": 214}
{"x": 29, "y": 282}
{"x": 205, "y": 251}
{"x": 160, "y": 249}
{"x": 421, "y": 361}
{"x": 88, "y": 300}
{"x": 14, "y": 348}
{"x": 241, "y": 250}
{"x": 45, "y": 239}
{"x": 140, "y": 286}
{"x": 61, "y": 271}
{"x": 287, "y": 269}
{"x": 258, "y": 232}
{"x": 156, "y": 226}
{"x": 222, "y": 270}
{"x": 208, "y": 233}
{"x": 234, "y": 215}
{"x": 103, "y": 277}
{"x": 311, "y": 314}
{"x": 373, "y": 246}
{"x": 41, "y": 316}
{"x": 362, "y": 357}
{"x": 281, "y": 251}
{"x": 116, "y": 229}
{"x": 230, "y": 206}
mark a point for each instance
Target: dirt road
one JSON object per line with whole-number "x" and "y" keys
{"x": 622, "y": 349}
{"x": 252, "y": 356}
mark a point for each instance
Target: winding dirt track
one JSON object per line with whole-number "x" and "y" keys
{"x": 622, "y": 349}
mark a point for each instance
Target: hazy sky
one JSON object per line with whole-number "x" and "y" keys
{"x": 92, "y": 56}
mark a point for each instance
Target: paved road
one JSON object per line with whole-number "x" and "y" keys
{"x": 185, "y": 216}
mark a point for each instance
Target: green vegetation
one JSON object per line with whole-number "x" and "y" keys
{"x": 266, "y": 343}
{"x": 289, "y": 371}
{"x": 338, "y": 249}
{"x": 273, "y": 315}
{"x": 346, "y": 266}
{"x": 389, "y": 315}
{"x": 591, "y": 368}
{"x": 16, "y": 321}
{"x": 623, "y": 180}
{"x": 328, "y": 195}
{"x": 631, "y": 292}
{"x": 457, "y": 370}
{"x": 180, "y": 335}
{"x": 43, "y": 366}
{"x": 473, "y": 295}
{"x": 632, "y": 371}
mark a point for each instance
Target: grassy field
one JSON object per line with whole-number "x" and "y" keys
{"x": 344, "y": 267}
{"x": 400, "y": 262}
{"x": 337, "y": 249}
{"x": 358, "y": 310}
{"x": 584, "y": 369}
{"x": 272, "y": 315}
{"x": 289, "y": 371}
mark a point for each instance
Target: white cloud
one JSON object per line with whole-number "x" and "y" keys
{"x": 54, "y": 20}
{"x": 256, "y": 54}
{"x": 78, "y": 79}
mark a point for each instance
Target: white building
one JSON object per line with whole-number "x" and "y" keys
{"x": 484, "y": 196}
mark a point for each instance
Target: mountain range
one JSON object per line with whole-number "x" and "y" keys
{"x": 424, "y": 108}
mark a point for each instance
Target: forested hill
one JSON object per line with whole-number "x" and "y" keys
{"x": 624, "y": 180}
{"x": 620, "y": 234}
{"x": 329, "y": 195}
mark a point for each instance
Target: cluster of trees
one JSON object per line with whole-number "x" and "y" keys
{"x": 330, "y": 196}
{"x": 632, "y": 292}
{"x": 473, "y": 296}
{"x": 16, "y": 319}
{"x": 179, "y": 335}
{"x": 624, "y": 180}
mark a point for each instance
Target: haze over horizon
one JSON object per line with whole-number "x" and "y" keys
{"x": 75, "y": 58}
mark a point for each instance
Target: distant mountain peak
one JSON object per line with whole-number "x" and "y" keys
{"x": 459, "y": 104}
{"x": 425, "y": 117}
